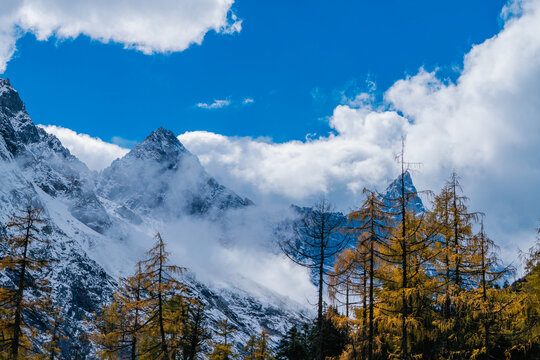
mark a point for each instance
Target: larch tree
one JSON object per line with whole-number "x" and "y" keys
{"x": 222, "y": 349}
{"x": 258, "y": 347}
{"x": 406, "y": 284}
{"x": 22, "y": 264}
{"x": 489, "y": 308}
{"x": 317, "y": 242}
{"x": 121, "y": 323}
{"x": 524, "y": 326}
{"x": 371, "y": 225}
{"x": 161, "y": 285}
{"x": 146, "y": 319}
{"x": 55, "y": 334}
{"x": 453, "y": 263}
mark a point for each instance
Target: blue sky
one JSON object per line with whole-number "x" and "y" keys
{"x": 268, "y": 75}
{"x": 295, "y": 59}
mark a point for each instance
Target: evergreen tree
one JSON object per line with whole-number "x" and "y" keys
{"x": 293, "y": 346}
{"x": 195, "y": 330}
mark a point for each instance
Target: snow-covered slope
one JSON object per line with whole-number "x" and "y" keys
{"x": 95, "y": 222}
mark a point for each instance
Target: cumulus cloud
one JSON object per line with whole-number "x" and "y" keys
{"x": 148, "y": 26}
{"x": 360, "y": 153}
{"x": 216, "y": 104}
{"x": 94, "y": 152}
{"x": 485, "y": 126}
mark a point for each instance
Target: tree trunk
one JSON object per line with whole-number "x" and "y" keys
{"x": 404, "y": 313}
{"x": 19, "y": 296}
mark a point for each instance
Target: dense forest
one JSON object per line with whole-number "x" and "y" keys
{"x": 402, "y": 284}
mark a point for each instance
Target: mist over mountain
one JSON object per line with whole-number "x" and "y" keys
{"x": 100, "y": 223}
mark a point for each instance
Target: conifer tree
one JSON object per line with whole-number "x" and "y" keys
{"x": 524, "y": 325}
{"x": 195, "y": 331}
{"x": 55, "y": 335}
{"x": 160, "y": 286}
{"x": 294, "y": 345}
{"x": 121, "y": 323}
{"x": 406, "y": 285}
{"x": 222, "y": 350}
{"x": 258, "y": 347}
{"x": 22, "y": 264}
{"x": 317, "y": 244}
{"x": 373, "y": 223}
{"x": 249, "y": 349}
{"x": 147, "y": 318}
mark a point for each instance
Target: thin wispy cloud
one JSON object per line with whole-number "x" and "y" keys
{"x": 216, "y": 104}
{"x": 220, "y": 104}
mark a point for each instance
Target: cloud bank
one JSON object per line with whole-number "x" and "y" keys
{"x": 158, "y": 26}
{"x": 485, "y": 125}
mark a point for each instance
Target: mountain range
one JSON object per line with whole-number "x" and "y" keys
{"x": 99, "y": 223}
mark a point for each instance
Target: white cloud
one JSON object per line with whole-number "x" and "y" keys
{"x": 220, "y": 104}
{"x": 94, "y": 152}
{"x": 148, "y": 26}
{"x": 361, "y": 153}
{"x": 216, "y": 104}
{"x": 485, "y": 125}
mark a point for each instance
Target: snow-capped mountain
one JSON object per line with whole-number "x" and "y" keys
{"x": 88, "y": 214}
{"x": 160, "y": 177}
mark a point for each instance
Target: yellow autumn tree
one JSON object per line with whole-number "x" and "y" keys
{"x": 146, "y": 319}
{"x": 454, "y": 265}
{"x": 161, "y": 285}
{"x": 356, "y": 272}
{"x": 121, "y": 323}
{"x": 22, "y": 263}
{"x": 258, "y": 347}
{"x": 406, "y": 285}
{"x": 221, "y": 349}
{"x": 525, "y": 326}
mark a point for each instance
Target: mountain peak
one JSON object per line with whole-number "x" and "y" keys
{"x": 162, "y": 135}
{"x": 393, "y": 191}
{"x": 9, "y": 98}
{"x": 161, "y": 145}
